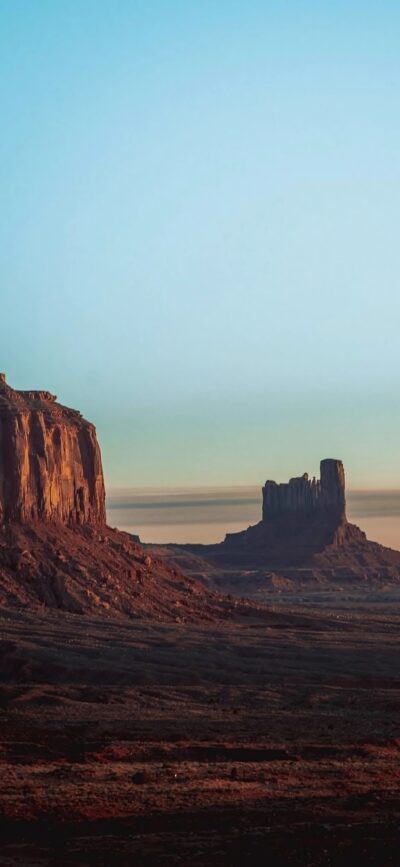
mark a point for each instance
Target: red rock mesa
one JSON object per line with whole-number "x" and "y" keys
{"x": 50, "y": 461}
{"x": 56, "y": 551}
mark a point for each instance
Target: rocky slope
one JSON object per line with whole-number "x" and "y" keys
{"x": 97, "y": 571}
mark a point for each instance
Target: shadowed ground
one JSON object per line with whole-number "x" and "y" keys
{"x": 271, "y": 741}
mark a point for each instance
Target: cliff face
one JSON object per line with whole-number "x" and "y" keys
{"x": 325, "y": 496}
{"x": 55, "y": 548}
{"x": 50, "y": 461}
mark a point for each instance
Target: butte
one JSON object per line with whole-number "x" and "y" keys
{"x": 56, "y": 550}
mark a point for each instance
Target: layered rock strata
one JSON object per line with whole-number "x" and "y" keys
{"x": 50, "y": 461}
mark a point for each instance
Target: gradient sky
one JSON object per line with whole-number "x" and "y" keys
{"x": 199, "y": 231}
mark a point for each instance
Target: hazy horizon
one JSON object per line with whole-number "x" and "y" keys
{"x": 205, "y": 514}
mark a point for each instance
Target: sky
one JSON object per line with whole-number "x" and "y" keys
{"x": 199, "y": 231}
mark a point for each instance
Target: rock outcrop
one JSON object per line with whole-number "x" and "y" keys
{"x": 301, "y": 496}
{"x": 304, "y": 535}
{"x": 299, "y": 519}
{"x": 56, "y": 551}
{"x": 304, "y": 540}
{"x": 50, "y": 461}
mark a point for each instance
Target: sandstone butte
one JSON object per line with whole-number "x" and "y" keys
{"x": 304, "y": 538}
{"x": 50, "y": 461}
{"x": 56, "y": 550}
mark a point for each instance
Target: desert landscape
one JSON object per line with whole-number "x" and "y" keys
{"x": 152, "y": 711}
{"x": 200, "y": 538}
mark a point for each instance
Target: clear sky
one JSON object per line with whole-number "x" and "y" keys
{"x": 199, "y": 231}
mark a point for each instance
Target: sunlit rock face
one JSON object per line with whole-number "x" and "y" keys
{"x": 50, "y": 461}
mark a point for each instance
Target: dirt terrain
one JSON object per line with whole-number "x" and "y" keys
{"x": 270, "y": 739}
{"x": 368, "y": 569}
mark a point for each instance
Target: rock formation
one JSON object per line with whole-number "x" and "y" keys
{"x": 50, "y": 462}
{"x": 304, "y": 497}
{"x": 299, "y": 519}
{"x": 303, "y": 541}
{"x": 56, "y": 551}
{"x": 304, "y": 536}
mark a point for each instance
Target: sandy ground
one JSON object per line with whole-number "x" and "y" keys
{"x": 271, "y": 742}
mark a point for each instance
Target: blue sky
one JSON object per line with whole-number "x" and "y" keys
{"x": 199, "y": 231}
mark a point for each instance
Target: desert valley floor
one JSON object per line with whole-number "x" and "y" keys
{"x": 272, "y": 738}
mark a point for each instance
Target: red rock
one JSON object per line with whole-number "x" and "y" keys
{"x": 301, "y": 496}
{"x": 300, "y": 518}
{"x": 304, "y": 536}
{"x": 50, "y": 462}
{"x": 56, "y": 550}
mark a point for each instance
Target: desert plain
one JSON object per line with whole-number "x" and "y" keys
{"x": 227, "y": 704}
{"x": 272, "y": 738}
